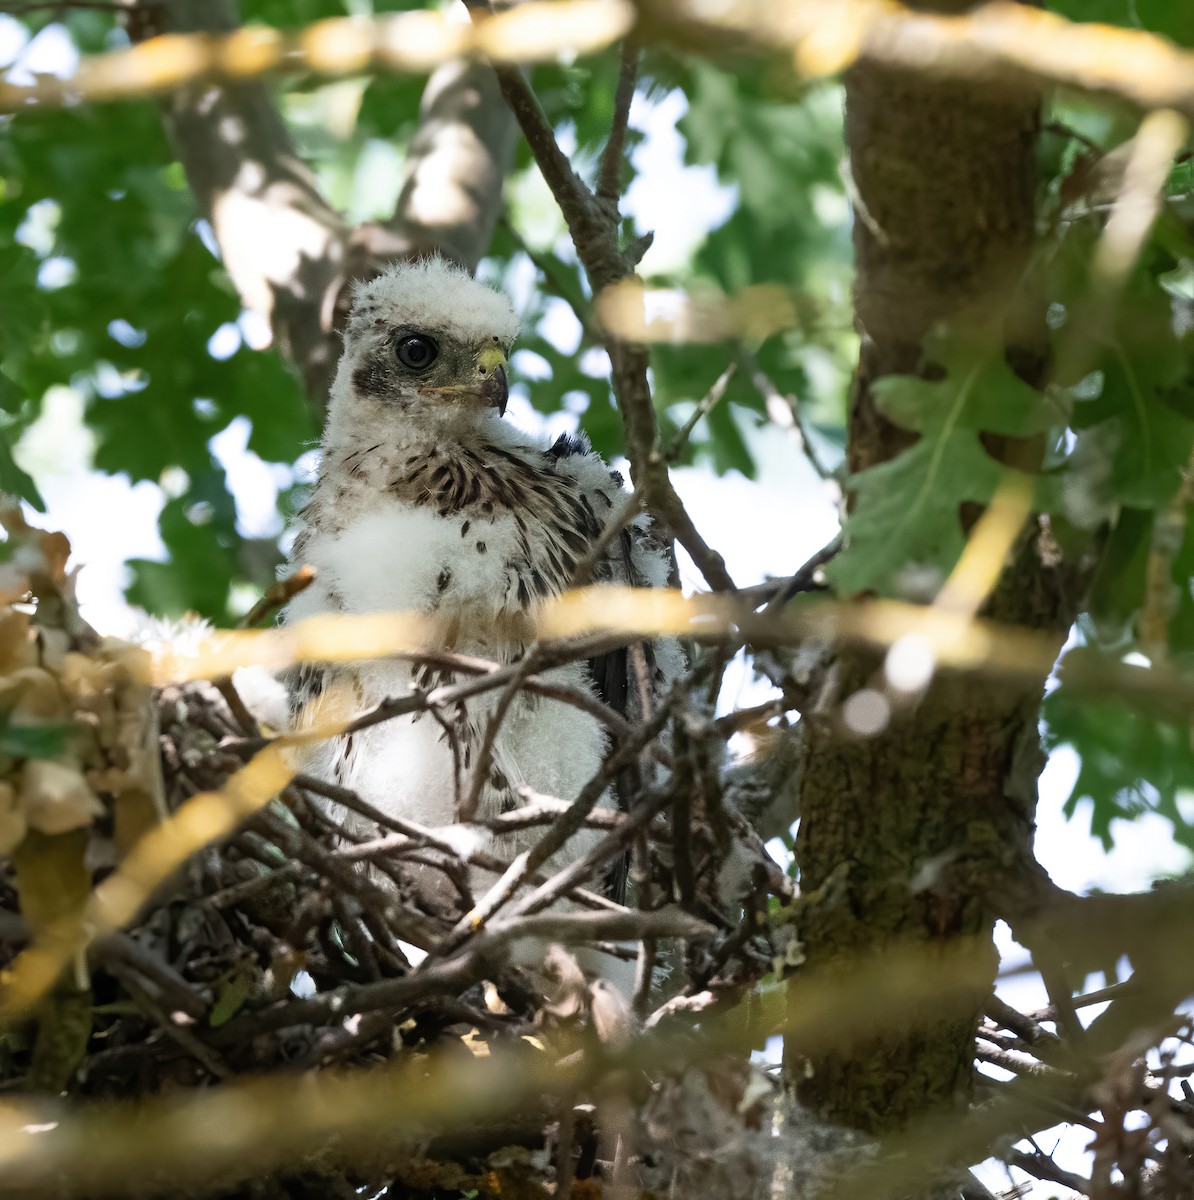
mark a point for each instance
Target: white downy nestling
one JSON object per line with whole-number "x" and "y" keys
{"x": 429, "y": 499}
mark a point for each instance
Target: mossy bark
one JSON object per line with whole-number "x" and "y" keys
{"x": 945, "y": 180}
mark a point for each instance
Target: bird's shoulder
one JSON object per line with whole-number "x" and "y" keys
{"x": 572, "y": 455}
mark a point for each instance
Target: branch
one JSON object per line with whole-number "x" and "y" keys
{"x": 994, "y": 43}
{"x": 609, "y": 178}
{"x": 708, "y": 403}
{"x": 456, "y": 164}
{"x": 787, "y": 412}
{"x": 408, "y": 42}
{"x": 280, "y": 241}
{"x": 423, "y": 835}
{"x": 1041, "y": 1166}
{"x": 594, "y": 232}
{"x": 290, "y": 255}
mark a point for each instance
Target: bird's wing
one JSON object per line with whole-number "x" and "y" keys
{"x": 630, "y": 679}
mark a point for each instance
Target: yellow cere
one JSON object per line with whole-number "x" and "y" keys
{"x": 491, "y": 358}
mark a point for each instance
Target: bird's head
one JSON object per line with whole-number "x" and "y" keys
{"x": 425, "y": 350}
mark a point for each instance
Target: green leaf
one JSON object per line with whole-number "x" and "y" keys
{"x": 905, "y": 520}
{"x": 12, "y": 396}
{"x": 1132, "y": 761}
{"x": 1175, "y": 21}
{"x": 31, "y": 741}
{"x": 1117, "y": 589}
{"x": 15, "y": 481}
{"x": 199, "y": 530}
{"x": 1145, "y": 435}
{"x": 1134, "y": 412}
{"x": 231, "y": 997}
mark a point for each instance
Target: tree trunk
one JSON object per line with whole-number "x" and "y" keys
{"x": 945, "y": 178}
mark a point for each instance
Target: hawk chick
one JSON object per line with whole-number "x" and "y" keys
{"x": 428, "y": 499}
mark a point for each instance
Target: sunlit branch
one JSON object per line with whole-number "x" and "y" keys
{"x": 247, "y": 1127}
{"x": 994, "y": 43}
{"x": 414, "y": 42}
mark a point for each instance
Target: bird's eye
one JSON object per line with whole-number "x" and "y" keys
{"x": 417, "y": 352}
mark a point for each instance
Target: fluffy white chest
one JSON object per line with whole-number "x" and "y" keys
{"x": 403, "y": 557}
{"x": 378, "y": 551}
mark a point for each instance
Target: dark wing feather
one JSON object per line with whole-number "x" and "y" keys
{"x": 611, "y": 674}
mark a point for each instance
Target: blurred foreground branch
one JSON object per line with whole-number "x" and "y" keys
{"x": 997, "y": 42}
{"x": 413, "y": 41}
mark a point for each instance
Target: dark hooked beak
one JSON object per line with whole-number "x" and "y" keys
{"x": 495, "y": 391}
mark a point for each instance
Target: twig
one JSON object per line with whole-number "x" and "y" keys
{"x": 121, "y": 949}
{"x": 629, "y": 507}
{"x": 707, "y": 404}
{"x": 451, "y": 976}
{"x": 203, "y": 1053}
{"x": 538, "y": 809}
{"x": 609, "y": 178}
{"x": 1041, "y": 1166}
{"x": 1116, "y": 991}
{"x": 487, "y": 677}
{"x": 408, "y": 924}
{"x": 549, "y": 689}
{"x": 582, "y": 868}
{"x": 480, "y": 777}
{"x": 572, "y": 928}
{"x": 452, "y": 733}
{"x": 644, "y": 967}
{"x": 1018, "y": 1064}
{"x": 277, "y": 596}
{"x": 1026, "y": 1027}
{"x": 696, "y": 1004}
{"x": 236, "y": 706}
{"x": 500, "y": 677}
{"x": 236, "y": 894}
{"x": 563, "y": 828}
{"x": 805, "y": 579}
{"x": 785, "y": 410}
{"x": 425, "y": 836}
{"x": 565, "y": 1138}
{"x": 724, "y": 727}
{"x": 556, "y": 285}
{"x": 684, "y": 870}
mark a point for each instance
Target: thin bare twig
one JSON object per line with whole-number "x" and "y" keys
{"x": 563, "y": 828}
{"x": 1016, "y": 1063}
{"x": 707, "y": 404}
{"x": 786, "y": 411}
{"x": 277, "y": 596}
{"x": 629, "y": 508}
{"x": 174, "y": 1030}
{"x": 609, "y": 178}
{"x": 422, "y": 835}
{"x": 1041, "y": 1166}
{"x": 480, "y": 776}
{"x": 594, "y": 232}
{"x": 171, "y": 986}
